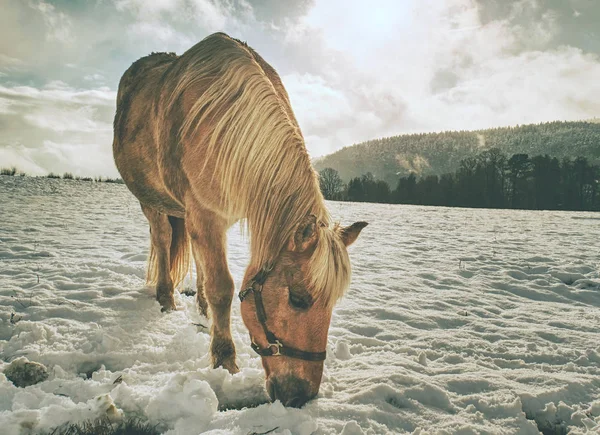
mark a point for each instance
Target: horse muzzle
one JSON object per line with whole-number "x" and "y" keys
{"x": 290, "y": 390}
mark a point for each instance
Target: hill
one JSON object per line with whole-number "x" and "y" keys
{"x": 439, "y": 153}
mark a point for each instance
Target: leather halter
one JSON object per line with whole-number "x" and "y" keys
{"x": 275, "y": 347}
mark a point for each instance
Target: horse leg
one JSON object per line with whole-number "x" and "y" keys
{"x": 159, "y": 262}
{"x": 208, "y": 235}
{"x": 200, "y": 297}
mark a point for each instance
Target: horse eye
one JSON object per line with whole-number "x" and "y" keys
{"x": 298, "y": 302}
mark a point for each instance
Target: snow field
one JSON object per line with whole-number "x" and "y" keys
{"x": 457, "y": 321}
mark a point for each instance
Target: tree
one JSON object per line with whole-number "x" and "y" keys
{"x": 356, "y": 191}
{"x": 584, "y": 179}
{"x": 519, "y": 167}
{"x": 568, "y": 184}
{"x": 405, "y": 192}
{"x": 428, "y": 191}
{"x": 546, "y": 182}
{"x": 493, "y": 162}
{"x": 331, "y": 183}
{"x": 490, "y": 180}
{"x": 469, "y": 183}
{"x": 380, "y": 191}
{"x": 448, "y": 190}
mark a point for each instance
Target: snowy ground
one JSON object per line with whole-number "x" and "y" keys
{"x": 457, "y": 321}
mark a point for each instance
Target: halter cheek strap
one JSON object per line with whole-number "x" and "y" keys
{"x": 275, "y": 347}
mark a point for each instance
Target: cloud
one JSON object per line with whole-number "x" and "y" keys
{"x": 67, "y": 119}
{"x": 332, "y": 117}
{"x": 528, "y": 88}
{"x": 57, "y": 129}
{"x": 353, "y": 71}
{"x": 57, "y": 23}
{"x": 425, "y": 67}
{"x": 5, "y": 104}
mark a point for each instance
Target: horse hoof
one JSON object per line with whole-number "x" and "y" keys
{"x": 231, "y": 367}
{"x": 201, "y": 304}
{"x": 223, "y": 355}
{"x": 167, "y": 306}
{"x": 203, "y": 311}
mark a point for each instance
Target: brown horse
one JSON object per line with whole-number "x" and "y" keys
{"x": 206, "y": 139}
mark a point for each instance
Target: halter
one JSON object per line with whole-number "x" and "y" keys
{"x": 274, "y": 347}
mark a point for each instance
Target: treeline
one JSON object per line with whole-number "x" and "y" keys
{"x": 14, "y": 172}
{"x": 441, "y": 153}
{"x": 490, "y": 180}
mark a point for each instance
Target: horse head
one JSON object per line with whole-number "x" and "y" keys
{"x": 287, "y": 307}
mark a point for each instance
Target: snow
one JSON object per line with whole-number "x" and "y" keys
{"x": 457, "y": 321}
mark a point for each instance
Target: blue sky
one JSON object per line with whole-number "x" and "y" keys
{"x": 354, "y": 70}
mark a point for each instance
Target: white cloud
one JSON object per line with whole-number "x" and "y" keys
{"x": 176, "y": 25}
{"x": 528, "y": 88}
{"x": 427, "y": 66}
{"x": 78, "y": 159}
{"x": 5, "y": 104}
{"x": 57, "y": 129}
{"x": 354, "y": 71}
{"x": 94, "y": 78}
{"x": 206, "y": 15}
{"x": 159, "y": 35}
{"x": 332, "y": 118}
{"x": 58, "y": 24}
{"x": 18, "y": 156}
{"x": 60, "y": 92}
{"x": 7, "y": 61}
{"x": 68, "y": 119}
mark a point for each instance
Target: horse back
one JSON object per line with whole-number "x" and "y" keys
{"x": 154, "y": 162}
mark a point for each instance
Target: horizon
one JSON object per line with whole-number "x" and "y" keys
{"x": 353, "y": 74}
{"x": 111, "y": 178}
{"x": 499, "y": 127}
{"x": 314, "y": 160}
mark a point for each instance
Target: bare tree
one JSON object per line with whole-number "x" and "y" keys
{"x": 331, "y": 183}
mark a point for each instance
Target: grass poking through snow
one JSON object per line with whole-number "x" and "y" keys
{"x": 105, "y": 427}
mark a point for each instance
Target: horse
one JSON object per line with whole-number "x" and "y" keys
{"x": 204, "y": 140}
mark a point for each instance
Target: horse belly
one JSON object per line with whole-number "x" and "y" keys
{"x": 156, "y": 197}
{"x": 137, "y": 162}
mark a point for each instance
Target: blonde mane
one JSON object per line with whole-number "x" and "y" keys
{"x": 260, "y": 160}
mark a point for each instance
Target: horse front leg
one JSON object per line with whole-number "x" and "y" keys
{"x": 208, "y": 236}
{"x": 200, "y": 296}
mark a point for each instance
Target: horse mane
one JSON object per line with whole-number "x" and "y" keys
{"x": 260, "y": 160}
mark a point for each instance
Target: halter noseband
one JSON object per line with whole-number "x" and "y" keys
{"x": 275, "y": 347}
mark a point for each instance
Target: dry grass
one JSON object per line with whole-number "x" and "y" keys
{"x": 104, "y": 427}
{"x": 13, "y": 171}
{"x": 8, "y": 171}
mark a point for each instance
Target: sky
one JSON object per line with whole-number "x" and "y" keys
{"x": 354, "y": 70}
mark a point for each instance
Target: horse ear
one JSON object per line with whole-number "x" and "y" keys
{"x": 350, "y": 234}
{"x": 305, "y": 235}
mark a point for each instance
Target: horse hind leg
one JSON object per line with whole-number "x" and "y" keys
{"x": 200, "y": 296}
{"x": 168, "y": 261}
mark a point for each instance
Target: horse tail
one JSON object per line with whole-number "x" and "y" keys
{"x": 152, "y": 271}
{"x": 179, "y": 255}
{"x": 180, "y": 251}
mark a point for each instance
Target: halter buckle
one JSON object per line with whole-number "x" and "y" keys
{"x": 277, "y": 346}
{"x": 243, "y": 293}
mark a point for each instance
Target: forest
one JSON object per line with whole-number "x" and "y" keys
{"x": 490, "y": 179}
{"x": 442, "y": 153}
